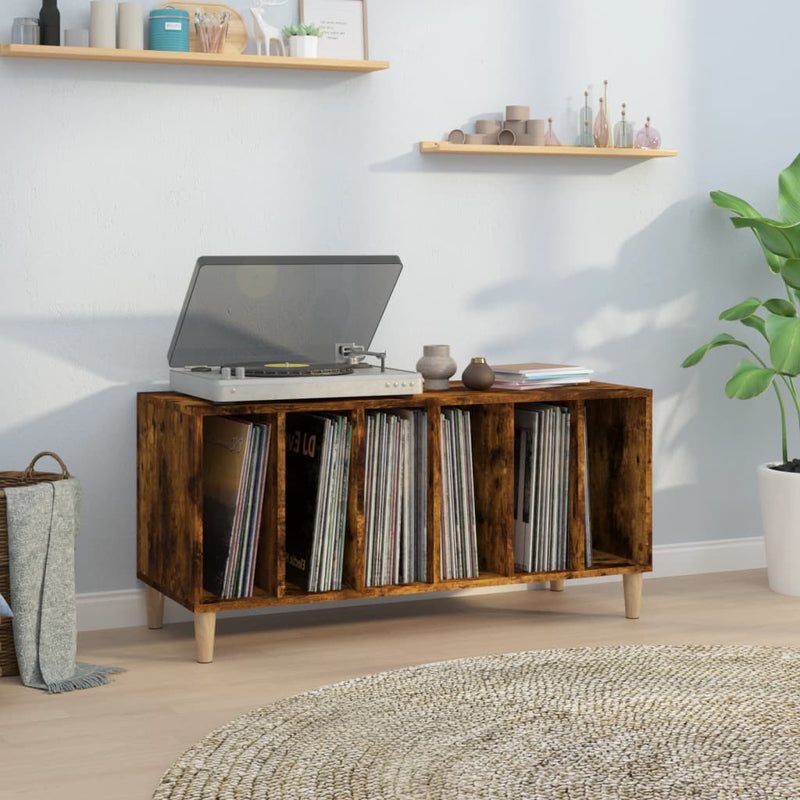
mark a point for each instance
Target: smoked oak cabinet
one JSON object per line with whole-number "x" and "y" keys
{"x": 610, "y": 491}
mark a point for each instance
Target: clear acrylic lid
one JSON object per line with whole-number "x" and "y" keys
{"x": 276, "y": 309}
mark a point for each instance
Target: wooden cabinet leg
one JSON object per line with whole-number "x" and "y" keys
{"x": 557, "y": 585}
{"x": 204, "y": 624}
{"x": 632, "y": 587}
{"x": 155, "y": 608}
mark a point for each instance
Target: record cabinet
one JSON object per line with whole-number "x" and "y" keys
{"x": 609, "y": 492}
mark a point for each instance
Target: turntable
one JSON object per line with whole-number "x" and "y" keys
{"x": 258, "y": 328}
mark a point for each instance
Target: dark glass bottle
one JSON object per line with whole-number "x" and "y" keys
{"x": 50, "y": 23}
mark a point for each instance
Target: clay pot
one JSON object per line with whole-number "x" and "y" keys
{"x": 478, "y": 374}
{"x": 436, "y": 366}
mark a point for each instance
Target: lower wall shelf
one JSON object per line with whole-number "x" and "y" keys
{"x": 526, "y": 150}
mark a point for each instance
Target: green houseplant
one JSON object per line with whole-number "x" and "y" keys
{"x": 776, "y": 323}
{"x": 776, "y": 319}
{"x": 301, "y": 29}
{"x": 303, "y": 39}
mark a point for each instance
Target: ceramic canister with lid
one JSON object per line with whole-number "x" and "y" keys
{"x": 169, "y": 29}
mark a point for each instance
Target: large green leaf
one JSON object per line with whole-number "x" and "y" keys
{"x": 789, "y": 192}
{"x": 741, "y": 310}
{"x": 790, "y": 272}
{"x": 749, "y": 380}
{"x": 781, "y": 307}
{"x": 779, "y": 238}
{"x": 732, "y": 203}
{"x": 784, "y": 343}
{"x": 720, "y": 339}
{"x": 757, "y": 323}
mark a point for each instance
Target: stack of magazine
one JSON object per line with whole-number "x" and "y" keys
{"x": 235, "y": 455}
{"x": 538, "y": 376}
{"x": 459, "y": 530}
{"x": 395, "y": 497}
{"x": 317, "y": 481}
{"x": 541, "y": 487}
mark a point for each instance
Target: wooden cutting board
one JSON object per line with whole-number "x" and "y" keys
{"x": 235, "y": 41}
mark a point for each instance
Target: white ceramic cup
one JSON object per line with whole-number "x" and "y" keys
{"x": 103, "y": 24}
{"x": 130, "y": 32}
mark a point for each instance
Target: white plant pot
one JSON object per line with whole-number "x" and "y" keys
{"x": 303, "y": 46}
{"x": 779, "y": 496}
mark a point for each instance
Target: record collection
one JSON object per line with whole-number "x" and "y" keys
{"x": 541, "y": 487}
{"x": 235, "y": 453}
{"x": 459, "y": 529}
{"x": 395, "y": 497}
{"x": 317, "y": 480}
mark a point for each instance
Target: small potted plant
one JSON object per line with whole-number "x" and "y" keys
{"x": 303, "y": 39}
{"x": 776, "y": 323}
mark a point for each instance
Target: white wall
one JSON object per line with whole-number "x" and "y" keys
{"x": 116, "y": 177}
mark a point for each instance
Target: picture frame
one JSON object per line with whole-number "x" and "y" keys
{"x": 343, "y": 24}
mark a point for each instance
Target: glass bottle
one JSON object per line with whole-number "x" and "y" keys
{"x": 648, "y": 138}
{"x": 600, "y": 128}
{"x": 50, "y": 23}
{"x": 623, "y": 132}
{"x": 550, "y": 137}
{"x": 585, "y": 138}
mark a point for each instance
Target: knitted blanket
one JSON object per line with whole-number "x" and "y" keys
{"x": 43, "y": 521}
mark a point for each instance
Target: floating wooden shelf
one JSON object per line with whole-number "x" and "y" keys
{"x": 204, "y": 59}
{"x": 525, "y": 150}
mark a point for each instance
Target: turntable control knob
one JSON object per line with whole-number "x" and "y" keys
{"x": 240, "y": 372}
{"x": 225, "y": 372}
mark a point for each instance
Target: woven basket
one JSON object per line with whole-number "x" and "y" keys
{"x": 8, "y": 656}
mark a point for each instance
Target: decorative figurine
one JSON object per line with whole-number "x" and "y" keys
{"x": 268, "y": 37}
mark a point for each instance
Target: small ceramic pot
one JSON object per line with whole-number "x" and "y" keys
{"x": 487, "y": 126}
{"x": 516, "y": 125}
{"x": 436, "y": 367}
{"x": 478, "y": 374}
{"x": 518, "y": 112}
{"x": 456, "y": 136}
{"x": 506, "y": 137}
{"x": 535, "y": 127}
{"x": 303, "y": 46}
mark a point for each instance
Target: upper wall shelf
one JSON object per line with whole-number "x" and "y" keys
{"x": 205, "y": 59}
{"x": 525, "y": 150}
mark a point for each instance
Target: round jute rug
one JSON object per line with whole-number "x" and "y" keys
{"x": 665, "y": 722}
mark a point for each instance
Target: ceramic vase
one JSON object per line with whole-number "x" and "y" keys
{"x": 303, "y": 46}
{"x": 436, "y": 366}
{"x": 478, "y": 374}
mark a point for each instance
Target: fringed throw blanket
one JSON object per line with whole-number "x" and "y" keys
{"x": 42, "y": 529}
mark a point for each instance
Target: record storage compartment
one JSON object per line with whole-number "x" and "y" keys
{"x": 610, "y": 476}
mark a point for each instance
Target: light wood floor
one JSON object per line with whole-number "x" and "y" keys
{"x": 116, "y": 741}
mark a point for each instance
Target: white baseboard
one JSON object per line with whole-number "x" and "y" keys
{"x": 126, "y": 608}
